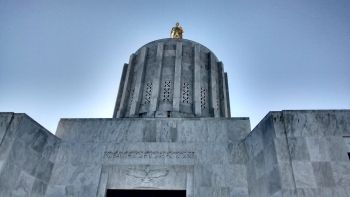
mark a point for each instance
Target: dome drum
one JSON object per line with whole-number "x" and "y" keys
{"x": 173, "y": 78}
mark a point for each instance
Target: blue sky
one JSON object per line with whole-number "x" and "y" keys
{"x": 63, "y": 59}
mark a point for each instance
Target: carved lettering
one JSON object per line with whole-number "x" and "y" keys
{"x": 148, "y": 155}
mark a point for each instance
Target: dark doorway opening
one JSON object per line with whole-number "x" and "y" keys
{"x": 145, "y": 193}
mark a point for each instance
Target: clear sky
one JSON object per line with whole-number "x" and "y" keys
{"x": 63, "y": 59}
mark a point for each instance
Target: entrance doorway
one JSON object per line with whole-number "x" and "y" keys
{"x": 145, "y": 193}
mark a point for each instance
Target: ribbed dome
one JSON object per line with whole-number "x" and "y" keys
{"x": 173, "y": 78}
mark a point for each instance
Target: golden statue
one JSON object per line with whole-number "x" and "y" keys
{"x": 177, "y": 31}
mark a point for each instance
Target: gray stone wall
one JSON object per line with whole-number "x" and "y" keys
{"x": 299, "y": 153}
{"x": 198, "y": 155}
{"x": 289, "y": 153}
{"x": 27, "y": 154}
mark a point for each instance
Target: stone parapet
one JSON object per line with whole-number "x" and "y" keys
{"x": 299, "y": 153}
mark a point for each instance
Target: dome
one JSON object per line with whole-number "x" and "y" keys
{"x": 173, "y": 78}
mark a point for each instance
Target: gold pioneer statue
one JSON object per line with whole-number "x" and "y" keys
{"x": 177, "y": 31}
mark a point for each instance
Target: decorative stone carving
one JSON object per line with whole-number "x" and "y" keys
{"x": 186, "y": 93}
{"x": 148, "y": 93}
{"x": 166, "y": 91}
{"x": 204, "y": 93}
{"x": 147, "y": 174}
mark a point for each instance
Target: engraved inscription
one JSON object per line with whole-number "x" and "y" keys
{"x": 148, "y": 155}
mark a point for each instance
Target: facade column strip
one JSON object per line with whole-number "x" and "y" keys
{"x": 138, "y": 83}
{"x": 222, "y": 89}
{"x": 213, "y": 87}
{"x": 102, "y": 185}
{"x": 157, "y": 78}
{"x": 126, "y": 87}
{"x": 177, "y": 78}
{"x": 120, "y": 91}
{"x": 227, "y": 97}
{"x": 197, "y": 81}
